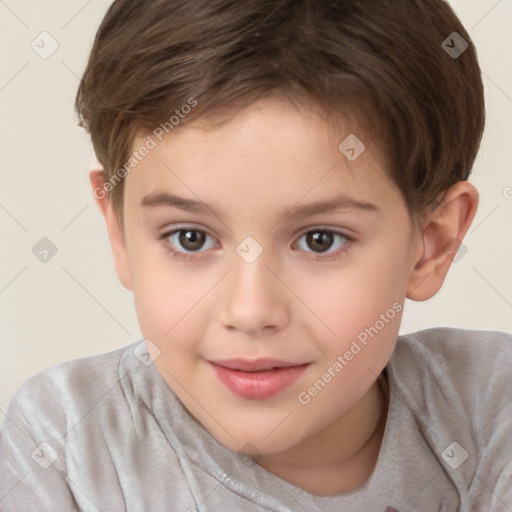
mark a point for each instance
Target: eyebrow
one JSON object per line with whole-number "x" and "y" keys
{"x": 161, "y": 199}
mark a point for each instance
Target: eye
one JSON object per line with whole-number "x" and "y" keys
{"x": 188, "y": 240}
{"x": 321, "y": 241}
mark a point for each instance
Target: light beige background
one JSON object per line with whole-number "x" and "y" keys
{"x": 73, "y": 305}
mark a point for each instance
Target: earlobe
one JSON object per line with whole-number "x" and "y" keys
{"x": 440, "y": 240}
{"x": 115, "y": 232}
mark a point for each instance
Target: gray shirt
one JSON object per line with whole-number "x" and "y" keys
{"x": 106, "y": 433}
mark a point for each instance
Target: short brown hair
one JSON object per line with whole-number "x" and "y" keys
{"x": 383, "y": 63}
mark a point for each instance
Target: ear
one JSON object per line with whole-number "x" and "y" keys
{"x": 115, "y": 231}
{"x": 440, "y": 238}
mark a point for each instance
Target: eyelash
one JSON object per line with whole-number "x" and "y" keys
{"x": 317, "y": 256}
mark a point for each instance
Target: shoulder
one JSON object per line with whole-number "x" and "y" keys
{"x": 76, "y": 375}
{"x": 50, "y": 399}
{"x": 55, "y": 425}
{"x": 454, "y": 378}
{"x": 457, "y": 385}
{"x": 470, "y": 367}
{"x": 461, "y": 349}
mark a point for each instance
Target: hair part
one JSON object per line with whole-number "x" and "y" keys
{"x": 382, "y": 67}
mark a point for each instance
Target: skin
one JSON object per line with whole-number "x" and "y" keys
{"x": 293, "y": 303}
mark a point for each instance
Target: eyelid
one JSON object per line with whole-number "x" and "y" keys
{"x": 168, "y": 231}
{"x": 345, "y": 231}
{"x": 323, "y": 227}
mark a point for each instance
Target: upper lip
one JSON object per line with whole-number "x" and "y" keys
{"x": 254, "y": 365}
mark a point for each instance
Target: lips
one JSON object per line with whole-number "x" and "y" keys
{"x": 256, "y": 365}
{"x": 257, "y": 379}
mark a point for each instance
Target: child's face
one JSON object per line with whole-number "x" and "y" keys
{"x": 303, "y": 300}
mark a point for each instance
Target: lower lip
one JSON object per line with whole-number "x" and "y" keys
{"x": 258, "y": 385}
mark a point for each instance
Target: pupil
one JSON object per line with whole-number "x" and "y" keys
{"x": 192, "y": 240}
{"x": 320, "y": 241}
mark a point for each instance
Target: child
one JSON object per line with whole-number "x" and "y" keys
{"x": 277, "y": 178}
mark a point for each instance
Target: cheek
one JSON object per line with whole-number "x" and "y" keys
{"x": 167, "y": 299}
{"x": 362, "y": 301}
{"x": 356, "y": 294}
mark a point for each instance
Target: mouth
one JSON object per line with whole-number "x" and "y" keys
{"x": 257, "y": 379}
{"x": 256, "y": 365}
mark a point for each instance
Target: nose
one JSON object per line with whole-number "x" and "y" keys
{"x": 254, "y": 300}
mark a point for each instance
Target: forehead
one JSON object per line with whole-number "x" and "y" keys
{"x": 270, "y": 153}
